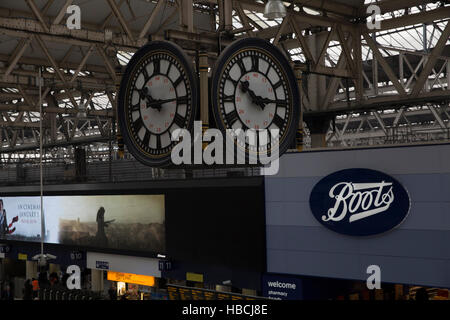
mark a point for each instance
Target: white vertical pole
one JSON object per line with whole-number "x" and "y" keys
{"x": 40, "y": 164}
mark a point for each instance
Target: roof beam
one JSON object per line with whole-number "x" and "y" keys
{"x": 244, "y": 20}
{"x": 17, "y": 54}
{"x": 121, "y": 19}
{"x": 386, "y": 67}
{"x": 108, "y": 64}
{"x": 152, "y": 17}
{"x": 22, "y": 28}
{"x": 62, "y": 12}
{"x": 37, "y": 13}
{"x": 432, "y": 60}
{"x": 330, "y": 6}
{"x": 55, "y": 67}
{"x": 393, "y": 5}
{"x": 416, "y": 18}
{"x": 82, "y": 63}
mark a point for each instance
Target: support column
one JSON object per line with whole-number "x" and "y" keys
{"x": 53, "y": 126}
{"x": 318, "y": 126}
{"x": 204, "y": 93}
{"x": 300, "y": 130}
{"x": 97, "y": 284}
{"x": 448, "y": 75}
{"x": 359, "y": 81}
{"x": 119, "y": 137}
{"x": 316, "y": 84}
{"x": 225, "y": 15}
{"x": 187, "y": 15}
{"x": 2, "y": 273}
{"x": 31, "y": 270}
{"x": 80, "y": 164}
{"x": 374, "y": 70}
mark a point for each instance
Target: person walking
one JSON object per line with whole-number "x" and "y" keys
{"x": 112, "y": 292}
{"x": 35, "y": 287}
{"x": 8, "y": 293}
{"x": 28, "y": 290}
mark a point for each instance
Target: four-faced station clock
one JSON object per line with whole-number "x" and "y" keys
{"x": 158, "y": 94}
{"x": 254, "y": 87}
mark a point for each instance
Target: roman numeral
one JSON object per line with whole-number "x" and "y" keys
{"x": 146, "y": 139}
{"x": 278, "y": 121}
{"x": 241, "y": 66}
{"x": 235, "y": 83}
{"x": 145, "y": 73}
{"x": 168, "y": 69}
{"x": 179, "y": 120}
{"x": 231, "y": 117}
{"x": 157, "y": 67}
{"x": 138, "y": 124}
{"x": 255, "y": 63}
{"x": 228, "y": 98}
{"x": 158, "y": 142}
{"x": 277, "y": 85}
{"x": 178, "y": 81}
{"x": 136, "y": 107}
{"x": 281, "y": 103}
{"x": 182, "y": 100}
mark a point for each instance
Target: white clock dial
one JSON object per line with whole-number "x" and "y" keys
{"x": 254, "y": 88}
{"x": 254, "y": 95}
{"x": 158, "y": 96}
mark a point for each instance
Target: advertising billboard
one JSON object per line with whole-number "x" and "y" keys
{"x": 122, "y": 222}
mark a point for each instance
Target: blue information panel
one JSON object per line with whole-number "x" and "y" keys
{"x": 359, "y": 202}
{"x": 104, "y": 265}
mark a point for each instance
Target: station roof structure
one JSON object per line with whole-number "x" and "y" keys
{"x": 390, "y": 84}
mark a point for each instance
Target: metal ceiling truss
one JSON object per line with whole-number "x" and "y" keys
{"x": 405, "y": 125}
{"x": 357, "y": 71}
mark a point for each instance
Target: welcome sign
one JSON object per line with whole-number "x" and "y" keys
{"x": 359, "y": 202}
{"x": 277, "y": 287}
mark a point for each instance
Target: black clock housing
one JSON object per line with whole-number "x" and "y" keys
{"x": 254, "y": 87}
{"x": 158, "y": 94}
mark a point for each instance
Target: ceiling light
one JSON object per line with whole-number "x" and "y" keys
{"x": 274, "y": 9}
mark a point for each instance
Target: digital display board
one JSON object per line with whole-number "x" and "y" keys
{"x": 142, "y": 280}
{"x": 186, "y": 293}
{"x": 122, "y": 222}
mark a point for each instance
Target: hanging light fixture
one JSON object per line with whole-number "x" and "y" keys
{"x": 274, "y": 9}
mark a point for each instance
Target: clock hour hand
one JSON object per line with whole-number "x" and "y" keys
{"x": 245, "y": 87}
{"x": 151, "y": 103}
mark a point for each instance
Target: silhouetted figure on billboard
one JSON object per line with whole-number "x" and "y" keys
{"x": 4, "y": 230}
{"x": 101, "y": 239}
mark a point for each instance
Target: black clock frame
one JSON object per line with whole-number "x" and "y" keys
{"x": 284, "y": 65}
{"x": 154, "y": 47}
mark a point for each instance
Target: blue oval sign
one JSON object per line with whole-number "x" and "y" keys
{"x": 359, "y": 202}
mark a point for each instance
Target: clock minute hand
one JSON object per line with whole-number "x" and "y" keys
{"x": 268, "y": 101}
{"x": 157, "y": 104}
{"x": 165, "y": 101}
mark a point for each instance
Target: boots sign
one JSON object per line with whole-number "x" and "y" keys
{"x": 359, "y": 202}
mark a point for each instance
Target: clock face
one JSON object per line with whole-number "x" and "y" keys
{"x": 254, "y": 89}
{"x": 158, "y": 95}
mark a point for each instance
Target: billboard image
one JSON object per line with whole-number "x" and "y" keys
{"x": 122, "y": 222}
